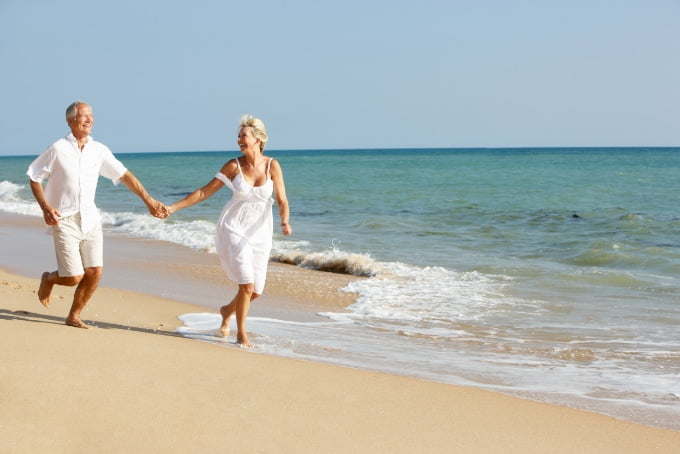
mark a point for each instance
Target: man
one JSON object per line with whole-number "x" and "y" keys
{"x": 72, "y": 166}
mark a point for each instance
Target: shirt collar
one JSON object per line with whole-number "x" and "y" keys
{"x": 73, "y": 139}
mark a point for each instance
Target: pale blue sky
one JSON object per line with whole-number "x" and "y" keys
{"x": 169, "y": 75}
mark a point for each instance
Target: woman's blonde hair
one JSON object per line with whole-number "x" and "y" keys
{"x": 257, "y": 126}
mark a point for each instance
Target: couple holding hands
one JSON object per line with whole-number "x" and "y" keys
{"x": 72, "y": 166}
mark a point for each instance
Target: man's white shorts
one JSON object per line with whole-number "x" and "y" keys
{"x": 75, "y": 250}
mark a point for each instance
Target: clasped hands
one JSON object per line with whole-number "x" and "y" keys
{"x": 159, "y": 210}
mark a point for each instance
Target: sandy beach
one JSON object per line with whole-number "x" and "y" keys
{"x": 131, "y": 384}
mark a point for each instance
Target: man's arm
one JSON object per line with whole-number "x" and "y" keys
{"x": 155, "y": 207}
{"x": 50, "y": 214}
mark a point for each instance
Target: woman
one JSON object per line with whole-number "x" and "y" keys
{"x": 244, "y": 229}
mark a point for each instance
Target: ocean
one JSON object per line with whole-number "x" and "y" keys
{"x": 547, "y": 273}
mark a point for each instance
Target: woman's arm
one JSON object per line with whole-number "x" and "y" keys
{"x": 281, "y": 199}
{"x": 197, "y": 196}
{"x": 207, "y": 191}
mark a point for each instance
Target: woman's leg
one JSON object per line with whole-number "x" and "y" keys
{"x": 239, "y": 305}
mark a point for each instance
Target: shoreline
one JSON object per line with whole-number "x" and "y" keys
{"x": 177, "y": 272}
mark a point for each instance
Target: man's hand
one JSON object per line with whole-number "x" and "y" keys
{"x": 51, "y": 216}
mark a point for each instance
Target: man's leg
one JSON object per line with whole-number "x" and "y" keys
{"x": 82, "y": 295}
{"x": 67, "y": 238}
{"x": 49, "y": 280}
{"x": 92, "y": 255}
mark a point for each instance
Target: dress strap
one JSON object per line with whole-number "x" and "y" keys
{"x": 269, "y": 164}
{"x": 238, "y": 164}
{"x": 223, "y": 178}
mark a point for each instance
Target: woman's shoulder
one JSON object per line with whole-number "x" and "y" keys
{"x": 230, "y": 168}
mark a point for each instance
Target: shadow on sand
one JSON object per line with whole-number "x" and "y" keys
{"x": 26, "y": 316}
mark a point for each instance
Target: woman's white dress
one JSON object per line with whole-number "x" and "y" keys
{"x": 245, "y": 229}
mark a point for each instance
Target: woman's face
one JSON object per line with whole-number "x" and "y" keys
{"x": 246, "y": 140}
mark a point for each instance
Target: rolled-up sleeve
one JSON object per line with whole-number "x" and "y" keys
{"x": 41, "y": 167}
{"x": 111, "y": 167}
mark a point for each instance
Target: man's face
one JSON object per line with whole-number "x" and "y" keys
{"x": 81, "y": 124}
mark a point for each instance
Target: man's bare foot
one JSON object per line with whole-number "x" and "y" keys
{"x": 45, "y": 289}
{"x": 76, "y": 322}
{"x": 242, "y": 341}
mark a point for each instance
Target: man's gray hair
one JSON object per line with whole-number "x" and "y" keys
{"x": 72, "y": 110}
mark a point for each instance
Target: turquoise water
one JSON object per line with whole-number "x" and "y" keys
{"x": 549, "y": 273}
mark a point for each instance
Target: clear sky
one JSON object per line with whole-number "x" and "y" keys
{"x": 170, "y": 75}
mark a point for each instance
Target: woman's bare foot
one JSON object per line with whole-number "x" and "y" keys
{"x": 242, "y": 341}
{"x": 224, "y": 328}
{"x": 45, "y": 289}
{"x": 76, "y": 322}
